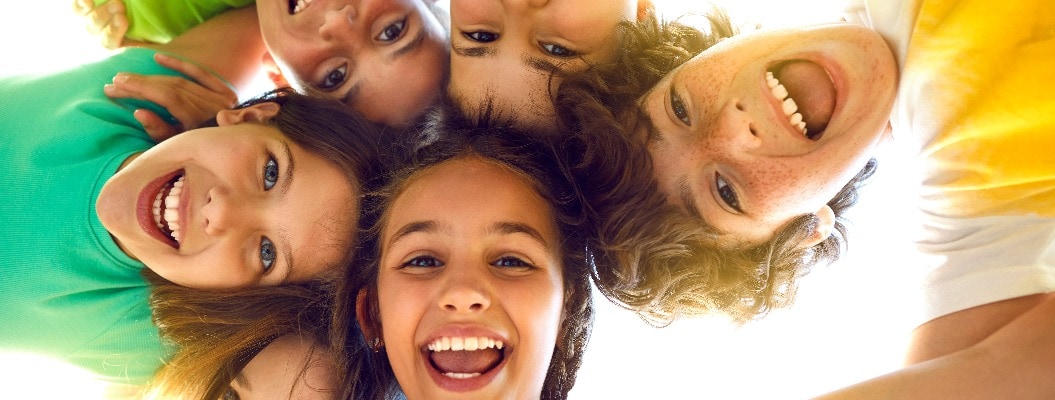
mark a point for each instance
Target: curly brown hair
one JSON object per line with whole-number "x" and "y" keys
{"x": 666, "y": 265}
{"x": 450, "y": 135}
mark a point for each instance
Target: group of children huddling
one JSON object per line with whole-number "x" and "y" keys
{"x": 387, "y": 228}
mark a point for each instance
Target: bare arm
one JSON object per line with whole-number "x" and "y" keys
{"x": 1014, "y": 362}
{"x": 229, "y": 44}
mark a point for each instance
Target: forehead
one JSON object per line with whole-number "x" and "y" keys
{"x": 471, "y": 190}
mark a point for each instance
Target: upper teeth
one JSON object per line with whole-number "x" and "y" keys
{"x": 168, "y": 208}
{"x": 464, "y": 344}
{"x": 790, "y": 108}
{"x": 301, "y": 4}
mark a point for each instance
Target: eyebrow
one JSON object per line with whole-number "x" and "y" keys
{"x": 474, "y": 51}
{"x": 240, "y": 378}
{"x": 541, "y": 65}
{"x": 413, "y": 227}
{"x": 283, "y": 236}
{"x": 509, "y": 228}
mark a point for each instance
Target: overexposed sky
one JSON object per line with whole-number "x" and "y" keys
{"x": 850, "y": 322}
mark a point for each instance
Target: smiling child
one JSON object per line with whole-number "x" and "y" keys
{"x": 92, "y": 201}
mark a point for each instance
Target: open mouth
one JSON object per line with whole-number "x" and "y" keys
{"x": 165, "y": 208}
{"x": 296, "y": 6}
{"x": 806, "y": 93}
{"x": 465, "y": 358}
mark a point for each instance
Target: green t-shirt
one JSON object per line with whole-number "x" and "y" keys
{"x": 66, "y": 290}
{"x": 161, "y": 21}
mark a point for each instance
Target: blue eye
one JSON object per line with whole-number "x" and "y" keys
{"x": 334, "y": 78}
{"x": 481, "y": 36}
{"x": 422, "y": 262}
{"x": 267, "y": 253}
{"x": 679, "y": 107}
{"x": 229, "y": 394}
{"x": 392, "y": 32}
{"x": 511, "y": 262}
{"x": 557, "y": 50}
{"x": 727, "y": 193}
{"x": 270, "y": 173}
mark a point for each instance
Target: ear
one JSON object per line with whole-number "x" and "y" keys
{"x": 825, "y": 225}
{"x": 255, "y": 113}
{"x": 272, "y": 70}
{"x": 365, "y": 316}
{"x": 644, "y": 7}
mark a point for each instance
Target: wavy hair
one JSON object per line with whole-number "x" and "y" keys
{"x": 662, "y": 264}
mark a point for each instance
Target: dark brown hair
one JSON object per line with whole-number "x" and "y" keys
{"x": 449, "y": 135}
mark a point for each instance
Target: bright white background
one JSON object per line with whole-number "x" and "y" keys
{"x": 850, "y": 322}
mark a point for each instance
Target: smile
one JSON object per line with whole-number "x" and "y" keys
{"x": 166, "y": 209}
{"x": 157, "y": 207}
{"x": 296, "y": 6}
{"x": 463, "y": 364}
{"x": 806, "y": 95}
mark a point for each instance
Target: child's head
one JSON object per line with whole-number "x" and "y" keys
{"x": 770, "y": 125}
{"x": 269, "y": 196}
{"x": 480, "y": 285}
{"x": 386, "y": 59}
{"x": 513, "y": 53}
{"x": 255, "y": 343}
{"x": 703, "y": 271}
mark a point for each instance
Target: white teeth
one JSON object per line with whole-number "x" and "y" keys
{"x": 301, "y": 4}
{"x": 461, "y": 375}
{"x": 787, "y": 104}
{"x": 168, "y": 207}
{"x": 464, "y": 344}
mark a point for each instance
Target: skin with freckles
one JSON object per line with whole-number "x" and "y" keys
{"x": 481, "y": 265}
{"x": 241, "y": 210}
{"x": 724, "y": 149}
{"x": 509, "y": 50}
{"x": 384, "y": 58}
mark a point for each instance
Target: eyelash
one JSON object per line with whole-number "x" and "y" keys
{"x": 433, "y": 260}
{"x": 267, "y": 253}
{"x": 726, "y": 192}
{"x": 270, "y": 173}
{"x": 679, "y": 107}
{"x": 401, "y": 26}
{"x": 334, "y": 78}
{"x": 557, "y": 50}
{"x": 481, "y": 36}
{"x": 520, "y": 263}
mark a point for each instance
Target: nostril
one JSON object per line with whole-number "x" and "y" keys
{"x": 754, "y": 132}
{"x": 739, "y": 106}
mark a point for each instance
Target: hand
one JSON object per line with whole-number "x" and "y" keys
{"x": 107, "y": 21}
{"x": 190, "y": 101}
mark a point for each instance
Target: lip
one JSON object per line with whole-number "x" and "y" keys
{"x": 467, "y": 384}
{"x": 144, "y": 207}
{"x": 838, "y": 82}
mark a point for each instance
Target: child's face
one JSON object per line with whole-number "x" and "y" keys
{"x": 252, "y": 208}
{"x": 470, "y": 255}
{"x": 384, "y": 58}
{"x": 725, "y": 147}
{"x": 507, "y": 49}
{"x": 291, "y": 367}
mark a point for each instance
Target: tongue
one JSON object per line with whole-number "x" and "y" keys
{"x": 466, "y": 362}
{"x": 811, "y": 88}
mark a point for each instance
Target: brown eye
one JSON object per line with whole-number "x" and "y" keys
{"x": 481, "y": 36}
{"x": 679, "y": 107}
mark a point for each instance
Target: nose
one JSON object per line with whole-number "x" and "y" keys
{"x": 338, "y": 22}
{"x": 464, "y": 293}
{"x": 733, "y": 132}
{"x": 224, "y": 212}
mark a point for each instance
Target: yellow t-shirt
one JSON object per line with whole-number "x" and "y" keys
{"x": 977, "y": 101}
